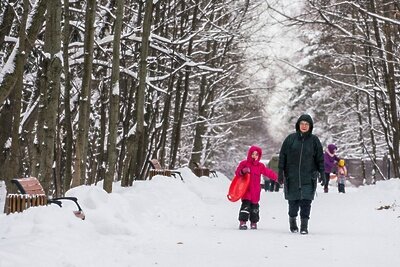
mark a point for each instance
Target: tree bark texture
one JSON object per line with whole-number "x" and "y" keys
{"x": 52, "y": 67}
{"x": 79, "y": 174}
{"x": 114, "y": 100}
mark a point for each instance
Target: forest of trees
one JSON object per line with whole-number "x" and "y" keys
{"x": 352, "y": 73}
{"x": 91, "y": 90}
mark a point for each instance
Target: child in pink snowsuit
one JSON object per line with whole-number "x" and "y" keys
{"x": 250, "y": 206}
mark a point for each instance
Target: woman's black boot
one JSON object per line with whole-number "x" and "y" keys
{"x": 303, "y": 226}
{"x": 293, "y": 224}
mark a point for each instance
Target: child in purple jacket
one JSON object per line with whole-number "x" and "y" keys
{"x": 250, "y": 206}
{"x": 330, "y": 161}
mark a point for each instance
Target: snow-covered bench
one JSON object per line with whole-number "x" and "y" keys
{"x": 157, "y": 169}
{"x": 203, "y": 171}
{"x": 32, "y": 194}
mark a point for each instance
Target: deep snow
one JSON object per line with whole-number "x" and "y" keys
{"x": 166, "y": 222}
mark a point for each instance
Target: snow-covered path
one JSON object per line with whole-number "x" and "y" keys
{"x": 165, "y": 222}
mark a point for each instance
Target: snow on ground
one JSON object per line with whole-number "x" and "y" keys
{"x": 165, "y": 222}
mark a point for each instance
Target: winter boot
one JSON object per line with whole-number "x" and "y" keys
{"x": 293, "y": 224}
{"x": 304, "y": 226}
{"x": 242, "y": 225}
{"x": 253, "y": 226}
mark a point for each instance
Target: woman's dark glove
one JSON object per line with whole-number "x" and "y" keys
{"x": 280, "y": 177}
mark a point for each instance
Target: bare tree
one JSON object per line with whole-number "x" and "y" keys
{"x": 49, "y": 99}
{"x": 138, "y": 155}
{"x": 67, "y": 100}
{"x": 170, "y": 52}
{"x": 355, "y": 50}
{"x": 12, "y": 165}
{"x": 8, "y": 77}
{"x": 114, "y": 100}
{"x": 79, "y": 174}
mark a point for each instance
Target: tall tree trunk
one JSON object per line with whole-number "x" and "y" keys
{"x": 390, "y": 78}
{"x": 79, "y": 175}
{"x": 52, "y": 67}
{"x": 200, "y": 127}
{"x": 138, "y": 156}
{"x": 67, "y": 98}
{"x": 98, "y": 167}
{"x": 161, "y": 146}
{"x": 178, "y": 123}
{"x": 125, "y": 158}
{"x": 165, "y": 119}
{"x": 126, "y": 104}
{"x": 12, "y": 167}
{"x": 359, "y": 111}
{"x": 6, "y": 118}
{"x": 203, "y": 105}
{"x": 127, "y": 166}
{"x": 114, "y": 100}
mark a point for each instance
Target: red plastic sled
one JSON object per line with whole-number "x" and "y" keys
{"x": 238, "y": 187}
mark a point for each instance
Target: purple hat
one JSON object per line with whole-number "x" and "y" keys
{"x": 332, "y": 148}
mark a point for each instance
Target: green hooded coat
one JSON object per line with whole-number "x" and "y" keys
{"x": 301, "y": 160}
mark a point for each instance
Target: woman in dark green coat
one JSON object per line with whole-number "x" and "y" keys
{"x": 301, "y": 160}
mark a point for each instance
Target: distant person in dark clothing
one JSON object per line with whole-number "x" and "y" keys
{"x": 330, "y": 161}
{"x": 301, "y": 160}
{"x": 273, "y": 164}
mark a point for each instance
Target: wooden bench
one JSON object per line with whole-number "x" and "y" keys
{"x": 32, "y": 194}
{"x": 157, "y": 169}
{"x": 203, "y": 171}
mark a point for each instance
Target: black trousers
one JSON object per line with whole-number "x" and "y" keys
{"x": 341, "y": 188}
{"x": 267, "y": 185}
{"x": 249, "y": 210}
{"x": 326, "y": 180}
{"x": 303, "y": 204}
